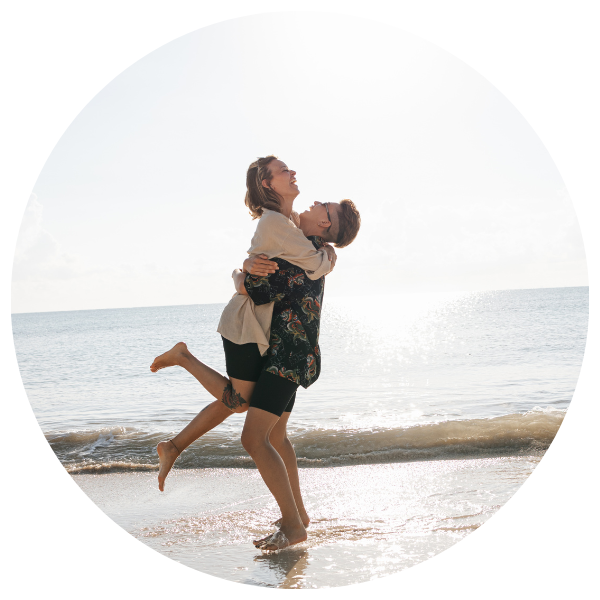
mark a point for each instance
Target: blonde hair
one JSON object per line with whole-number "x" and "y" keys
{"x": 259, "y": 197}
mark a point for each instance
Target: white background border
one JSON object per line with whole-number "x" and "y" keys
{"x": 542, "y": 55}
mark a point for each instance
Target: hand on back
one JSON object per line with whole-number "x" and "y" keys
{"x": 260, "y": 265}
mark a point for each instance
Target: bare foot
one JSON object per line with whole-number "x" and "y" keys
{"x": 277, "y": 541}
{"x": 167, "y": 455}
{"x": 170, "y": 358}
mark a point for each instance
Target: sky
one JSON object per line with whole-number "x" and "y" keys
{"x": 141, "y": 201}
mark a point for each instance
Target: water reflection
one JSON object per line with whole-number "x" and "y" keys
{"x": 290, "y": 565}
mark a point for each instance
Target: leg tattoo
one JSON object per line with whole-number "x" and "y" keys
{"x": 231, "y": 399}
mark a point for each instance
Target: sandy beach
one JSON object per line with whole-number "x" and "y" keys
{"x": 368, "y": 521}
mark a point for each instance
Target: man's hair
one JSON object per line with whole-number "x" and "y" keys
{"x": 344, "y": 232}
{"x": 259, "y": 197}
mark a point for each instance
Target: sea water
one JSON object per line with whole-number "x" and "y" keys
{"x": 430, "y": 412}
{"x": 404, "y": 377}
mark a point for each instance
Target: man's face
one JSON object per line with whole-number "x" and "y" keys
{"x": 316, "y": 217}
{"x": 283, "y": 179}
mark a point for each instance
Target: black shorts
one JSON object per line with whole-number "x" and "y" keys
{"x": 272, "y": 393}
{"x": 243, "y": 361}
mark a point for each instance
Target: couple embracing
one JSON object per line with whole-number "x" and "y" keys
{"x": 270, "y": 332}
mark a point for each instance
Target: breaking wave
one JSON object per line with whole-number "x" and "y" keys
{"x": 130, "y": 449}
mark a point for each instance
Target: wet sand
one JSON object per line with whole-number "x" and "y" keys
{"x": 368, "y": 521}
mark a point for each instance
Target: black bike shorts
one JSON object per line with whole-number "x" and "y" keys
{"x": 274, "y": 394}
{"x": 243, "y": 361}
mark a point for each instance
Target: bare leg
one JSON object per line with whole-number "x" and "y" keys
{"x": 208, "y": 418}
{"x": 179, "y": 355}
{"x": 232, "y": 396}
{"x": 281, "y": 443}
{"x": 255, "y": 439}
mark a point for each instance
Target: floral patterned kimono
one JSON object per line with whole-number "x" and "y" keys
{"x": 294, "y": 343}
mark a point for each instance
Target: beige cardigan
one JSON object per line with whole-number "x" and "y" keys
{"x": 243, "y": 322}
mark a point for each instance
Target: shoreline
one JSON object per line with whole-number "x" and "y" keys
{"x": 248, "y": 465}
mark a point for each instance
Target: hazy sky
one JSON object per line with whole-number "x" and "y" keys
{"x": 141, "y": 201}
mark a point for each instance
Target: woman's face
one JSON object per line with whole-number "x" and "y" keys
{"x": 283, "y": 180}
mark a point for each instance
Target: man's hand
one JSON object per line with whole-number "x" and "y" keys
{"x": 260, "y": 265}
{"x": 332, "y": 255}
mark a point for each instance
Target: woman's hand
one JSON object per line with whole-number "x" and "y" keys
{"x": 238, "y": 281}
{"x": 331, "y": 254}
{"x": 260, "y": 265}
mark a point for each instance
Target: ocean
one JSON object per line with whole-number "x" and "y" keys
{"x": 442, "y": 403}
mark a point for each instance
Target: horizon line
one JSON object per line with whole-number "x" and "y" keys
{"x": 333, "y": 296}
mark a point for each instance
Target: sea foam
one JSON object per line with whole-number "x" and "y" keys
{"x": 128, "y": 449}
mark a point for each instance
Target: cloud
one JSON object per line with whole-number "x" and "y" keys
{"x": 46, "y": 277}
{"x": 39, "y": 255}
